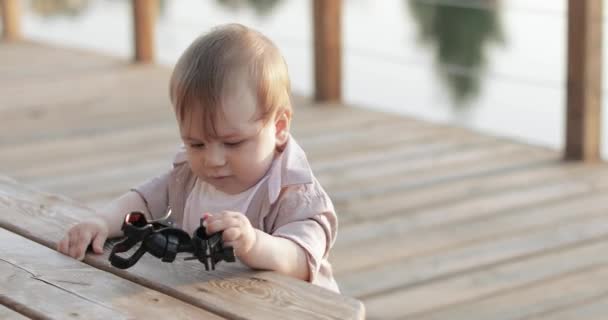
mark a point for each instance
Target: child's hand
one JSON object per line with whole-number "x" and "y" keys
{"x": 77, "y": 239}
{"x": 237, "y": 231}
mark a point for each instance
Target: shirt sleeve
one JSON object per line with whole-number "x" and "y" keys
{"x": 311, "y": 237}
{"x": 310, "y": 221}
{"x": 155, "y": 191}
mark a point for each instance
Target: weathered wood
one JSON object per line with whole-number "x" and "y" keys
{"x": 583, "y": 117}
{"x": 57, "y": 286}
{"x": 6, "y": 313}
{"x": 509, "y": 161}
{"x": 260, "y": 295}
{"x": 592, "y": 309}
{"x": 398, "y": 230}
{"x": 517, "y": 198}
{"x": 144, "y": 19}
{"x": 432, "y": 254}
{"x": 26, "y": 63}
{"x": 541, "y": 297}
{"x": 11, "y": 19}
{"x": 327, "y": 29}
{"x": 460, "y": 154}
{"x": 487, "y": 282}
{"x": 451, "y": 192}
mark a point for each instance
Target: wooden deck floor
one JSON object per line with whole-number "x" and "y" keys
{"x": 436, "y": 222}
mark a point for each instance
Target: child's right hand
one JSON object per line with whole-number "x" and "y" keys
{"x": 77, "y": 239}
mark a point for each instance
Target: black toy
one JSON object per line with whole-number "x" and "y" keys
{"x": 164, "y": 242}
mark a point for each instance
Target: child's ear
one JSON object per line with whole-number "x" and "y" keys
{"x": 281, "y": 123}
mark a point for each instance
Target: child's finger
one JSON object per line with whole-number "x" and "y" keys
{"x": 82, "y": 250}
{"x": 206, "y": 217}
{"x": 62, "y": 245}
{"x": 98, "y": 242}
{"x": 231, "y": 234}
{"x": 73, "y": 250}
{"x": 220, "y": 224}
{"x": 78, "y": 243}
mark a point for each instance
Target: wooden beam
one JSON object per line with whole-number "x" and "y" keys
{"x": 584, "y": 96}
{"x": 144, "y": 18}
{"x": 11, "y": 14}
{"x": 328, "y": 49}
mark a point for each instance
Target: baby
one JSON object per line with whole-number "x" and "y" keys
{"x": 239, "y": 168}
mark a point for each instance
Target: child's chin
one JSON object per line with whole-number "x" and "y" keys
{"x": 225, "y": 184}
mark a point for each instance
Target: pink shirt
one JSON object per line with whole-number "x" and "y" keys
{"x": 290, "y": 204}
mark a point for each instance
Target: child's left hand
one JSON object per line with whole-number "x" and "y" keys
{"x": 237, "y": 230}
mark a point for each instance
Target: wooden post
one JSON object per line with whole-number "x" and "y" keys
{"x": 584, "y": 96}
{"x": 144, "y": 17}
{"x": 11, "y": 14}
{"x": 328, "y": 49}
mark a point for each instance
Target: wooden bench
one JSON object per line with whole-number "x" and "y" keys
{"x": 36, "y": 281}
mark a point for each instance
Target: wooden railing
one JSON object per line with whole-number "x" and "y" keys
{"x": 584, "y": 78}
{"x": 584, "y": 88}
{"x": 144, "y": 19}
{"x": 11, "y": 26}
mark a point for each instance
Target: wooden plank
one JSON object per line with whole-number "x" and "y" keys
{"x": 456, "y": 248}
{"x": 521, "y": 303}
{"x": 392, "y": 233}
{"x": 124, "y": 82}
{"x": 11, "y": 19}
{"x": 72, "y": 185}
{"x": 487, "y": 282}
{"x": 261, "y": 295}
{"x": 395, "y": 203}
{"x": 71, "y": 149}
{"x": 27, "y": 62}
{"x": 89, "y": 163}
{"x": 481, "y": 205}
{"x": 57, "y": 286}
{"x": 9, "y": 314}
{"x": 327, "y": 29}
{"x": 490, "y": 164}
{"x": 408, "y": 145}
{"x": 592, "y": 309}
{"x": 583, "y": 116}
{"x": 144, "y": 18}
{"x": 457, "y": 155}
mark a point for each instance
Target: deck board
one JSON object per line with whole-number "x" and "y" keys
{"x": 436, "y": 221}
{"x": 59, "y": 287}
{"x": 8, "y": 313}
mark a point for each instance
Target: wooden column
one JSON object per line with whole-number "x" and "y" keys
{"x": 584, "y": 96}
{"x": 144, "y": 18}
{"x": 328, "y": 49}
{"x": 11, "y": 14}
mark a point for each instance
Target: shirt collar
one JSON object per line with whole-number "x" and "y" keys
{"x": 290, "y": 168}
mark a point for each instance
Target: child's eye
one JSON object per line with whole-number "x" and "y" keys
{"x": 197, "y": 145}
{"x": 233, "y": 144}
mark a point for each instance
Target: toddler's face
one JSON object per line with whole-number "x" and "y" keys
{"x": 243, "y": 150}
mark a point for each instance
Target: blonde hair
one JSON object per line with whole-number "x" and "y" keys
{"x": 202, "y": 74}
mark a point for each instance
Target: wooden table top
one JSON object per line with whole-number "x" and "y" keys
{"x": 36, "y": 281}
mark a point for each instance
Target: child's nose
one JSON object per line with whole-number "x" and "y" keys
{"x": 215, "y": 157}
